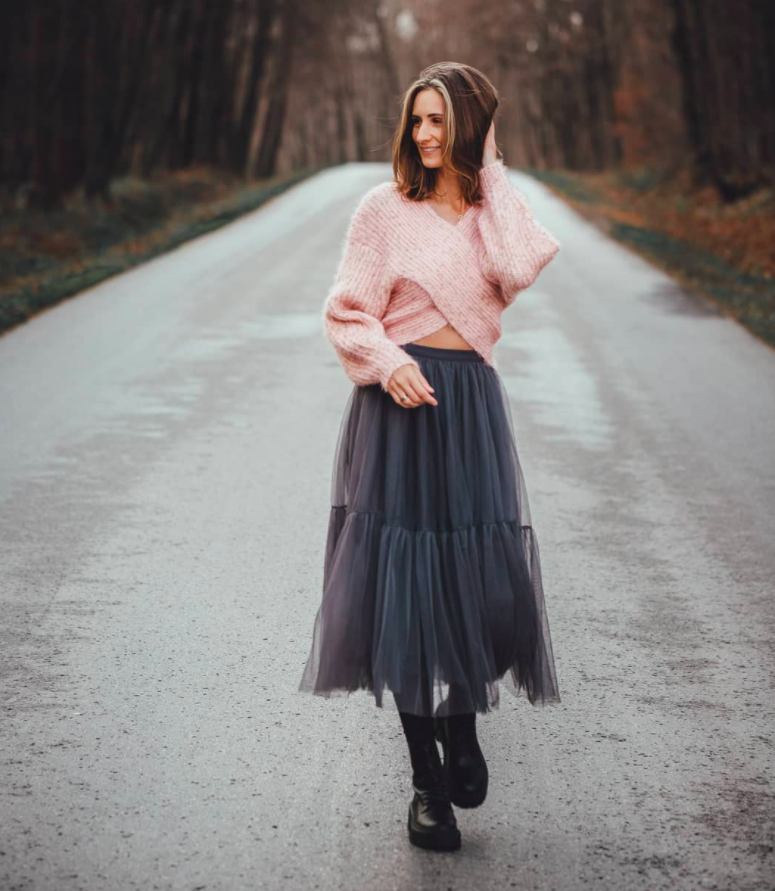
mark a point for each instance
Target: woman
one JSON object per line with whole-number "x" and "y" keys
{"x": 432, "y": 581}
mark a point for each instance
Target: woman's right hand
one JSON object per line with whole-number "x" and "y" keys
{"x": 409, "y": 381}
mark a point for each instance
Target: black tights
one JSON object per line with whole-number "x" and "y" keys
{"x": 423, "y": 754}
{"x": 420, "y": 737}
{"x": 458, "y": 701}
{"x": 417, "y": 728}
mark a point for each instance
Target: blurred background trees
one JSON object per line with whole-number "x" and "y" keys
{"x": 90, "y": 91}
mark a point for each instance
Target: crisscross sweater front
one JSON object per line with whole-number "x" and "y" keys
{"x": 406, "y": 272}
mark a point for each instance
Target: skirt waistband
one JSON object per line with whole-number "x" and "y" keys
{"x": 431, "y": 352}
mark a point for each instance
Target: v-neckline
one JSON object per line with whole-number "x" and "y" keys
{"x": 444, "y": 221}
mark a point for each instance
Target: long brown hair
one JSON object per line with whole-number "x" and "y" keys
{"x": 470, "y": 102}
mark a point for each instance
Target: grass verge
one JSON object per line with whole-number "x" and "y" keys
{"x": 47, "y": 256}
{"x": 723, "y": 252}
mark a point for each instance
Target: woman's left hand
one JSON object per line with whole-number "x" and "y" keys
{"x": 490, "y": 153}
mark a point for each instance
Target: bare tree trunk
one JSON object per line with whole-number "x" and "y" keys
{"x": 386, "y": 51}
{"x": 728, "y": 77}
{"x": 278, "y": 98}
{"x": 265, "y": 12}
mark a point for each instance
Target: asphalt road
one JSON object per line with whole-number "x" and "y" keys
{"x": 166, "y": 441}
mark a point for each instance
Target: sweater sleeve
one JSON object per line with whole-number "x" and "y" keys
{"x": 516, "y": 246}
{"x": 354, "y": 307}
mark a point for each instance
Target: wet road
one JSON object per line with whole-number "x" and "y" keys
{"x": 165, "y": 457}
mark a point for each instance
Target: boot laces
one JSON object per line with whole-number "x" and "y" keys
{"x": 438, "y": 793}
{"x": 436, "y": 789}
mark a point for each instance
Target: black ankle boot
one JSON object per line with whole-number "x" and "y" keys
{"x": 431, "y": 822}
{"x": 464, "y": 766}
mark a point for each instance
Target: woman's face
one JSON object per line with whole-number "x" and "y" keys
{"x": 428, "y": 126}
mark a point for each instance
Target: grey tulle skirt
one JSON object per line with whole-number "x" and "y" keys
{"x": 432, "y": 578}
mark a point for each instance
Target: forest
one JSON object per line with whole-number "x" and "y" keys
{"x": 648, "y": 93}
{"x": 90, "y": 90}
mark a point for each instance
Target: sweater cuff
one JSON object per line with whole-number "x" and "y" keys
{"x": 398, "y": 357}
{"x": 494, "y": 176}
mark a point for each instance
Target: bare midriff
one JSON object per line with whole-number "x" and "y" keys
{"x": 446, "y": 338}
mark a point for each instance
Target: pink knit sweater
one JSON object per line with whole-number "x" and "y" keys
{"x": 405, "y": 272}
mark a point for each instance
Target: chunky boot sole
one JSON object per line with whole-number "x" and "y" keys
{"x": 448, "y": 840}
{"x": 467, "y": 800}
{"x": 460, "y": 797}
